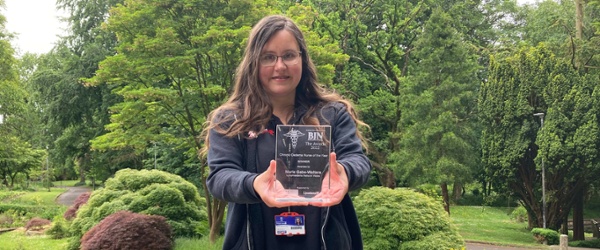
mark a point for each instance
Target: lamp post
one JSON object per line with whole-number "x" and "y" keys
{"x": 154, "y": 155}
{"x": 1, "y": 117}
{"x": 541, "y": 116}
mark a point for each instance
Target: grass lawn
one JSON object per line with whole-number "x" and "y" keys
{"x": 492, "y": 225}
{"x": 197, "y": 244}
{"x": 18, "y": 240}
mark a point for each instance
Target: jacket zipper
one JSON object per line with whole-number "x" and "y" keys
{"x": 248, "y": 226}
{"x": 323, "y": 229}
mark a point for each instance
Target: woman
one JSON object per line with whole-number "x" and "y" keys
{"x": 276, "y": 84}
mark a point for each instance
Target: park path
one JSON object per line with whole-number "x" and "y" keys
{"x": 68, "y": 198}
{"x": 483, "y": 246}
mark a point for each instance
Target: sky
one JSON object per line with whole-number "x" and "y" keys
{"x": 37, "y": 25}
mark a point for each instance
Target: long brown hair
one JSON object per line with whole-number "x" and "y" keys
{"x": 249, "y": 107}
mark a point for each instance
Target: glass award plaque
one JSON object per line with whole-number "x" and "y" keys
{"x": 302, "y": 156}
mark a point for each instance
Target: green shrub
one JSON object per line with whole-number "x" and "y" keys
{"x": 404, "y": 219}
{"x": 13, "y": 218}
{"x": 43, "y": 211}
{"x": 59, "y": 228}
{"x": 519, "y": 214}
{"x": 548, "y": 236}
{"x": 595, "y": 243}
{"x": 151, "y": 192}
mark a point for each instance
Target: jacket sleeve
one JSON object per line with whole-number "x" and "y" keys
{"x": 227, "y": 179}
{"x": 348, "y": 148}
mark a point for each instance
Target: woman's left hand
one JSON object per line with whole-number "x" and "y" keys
{"x": 334, "y": 187}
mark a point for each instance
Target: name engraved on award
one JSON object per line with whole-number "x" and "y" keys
{"x": 302, "y": 155}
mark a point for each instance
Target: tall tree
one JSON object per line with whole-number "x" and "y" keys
{"x": 17, "y": 155}
{"x": 379, "y": 38}
{"x": 530, "y": 82}
{"x": 439, "y": 143}
{"x": 568, "y": 144}
{"x": 74, "y": 113}
{"x": 566, "y": 27}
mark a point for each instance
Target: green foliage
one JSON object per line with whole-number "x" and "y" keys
{"x": 150, "y": 192}
{"x": 519, "y": 214}
{"x": 203, "y": 243}
{"x": 514, "y": 144}
{"x": 404, "y": 219}
{"x": 595, "y": 243}
{"x": 13, "y": 218}
{"x": 439, "y": 141}
{"x": 546, "y": 236}
{"x": 59, "y": 228}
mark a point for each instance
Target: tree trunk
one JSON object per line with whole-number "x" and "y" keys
{"x": 217, "y": 214}
{"x": 578, "y": 217}
{"x": 445, "y": 196}
{"x": 564, "y": 229}
{"x": 457, "y": 191}
{"x": 385, "y": 175}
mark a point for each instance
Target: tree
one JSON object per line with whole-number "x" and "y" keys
{"x": 439, "y": 141}
{"x": 568, "y": 144}
{"x": 567, "y": 29}
{"x": 378, "y": 36}
{"x": 533, "y": 81}
{"x": 17, "y": 155}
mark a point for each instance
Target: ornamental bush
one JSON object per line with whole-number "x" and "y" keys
{"x": 519, "y": 214}
{"x": 59, "y": 228}
{"x": 546, "y": 236}
{"x": 37, "y": 223}
{"x": 404, "y": 219}
{"x": 127, "y": 230}
{"x": 72, "y": 210}
{"x": 150, "y": 192}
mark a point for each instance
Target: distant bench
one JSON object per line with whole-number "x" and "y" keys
{"x": 590, "y": 226}
{"x": 596, "y": 229}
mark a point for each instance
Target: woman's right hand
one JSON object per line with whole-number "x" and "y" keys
{"x": 269, "y": 189}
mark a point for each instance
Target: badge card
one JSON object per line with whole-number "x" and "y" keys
{"x": 289, "y": 224}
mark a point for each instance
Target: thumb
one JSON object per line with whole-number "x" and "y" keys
{"x": 334, "y": 171}
{"x": 272, "y": 168}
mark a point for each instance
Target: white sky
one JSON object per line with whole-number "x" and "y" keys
{"x": 35, "y": 23}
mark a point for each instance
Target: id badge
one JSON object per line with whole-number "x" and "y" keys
{"x": 289, "y": 224}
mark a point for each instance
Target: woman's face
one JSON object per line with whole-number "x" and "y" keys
{"x": 281, "y": 78}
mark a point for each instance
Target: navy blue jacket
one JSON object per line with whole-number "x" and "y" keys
{"x": 230, "y": 179}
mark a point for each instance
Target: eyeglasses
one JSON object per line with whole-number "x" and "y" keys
{"x": 289, "y": 58}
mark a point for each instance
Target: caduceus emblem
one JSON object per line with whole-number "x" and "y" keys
{"x": 293, "y": 135}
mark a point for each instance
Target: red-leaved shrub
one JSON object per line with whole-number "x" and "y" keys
{"x": 72, "y": 211}
{"x": 127, "y": 230}
{"x": 37, "y": 223}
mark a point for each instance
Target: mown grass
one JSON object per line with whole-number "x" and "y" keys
{"x": 17, "y": 240}
{"x": 491, "y": 225}
{"x": 197, "y": 244}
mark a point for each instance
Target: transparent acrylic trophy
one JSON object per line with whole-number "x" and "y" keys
{"x": 302, "y": 155}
